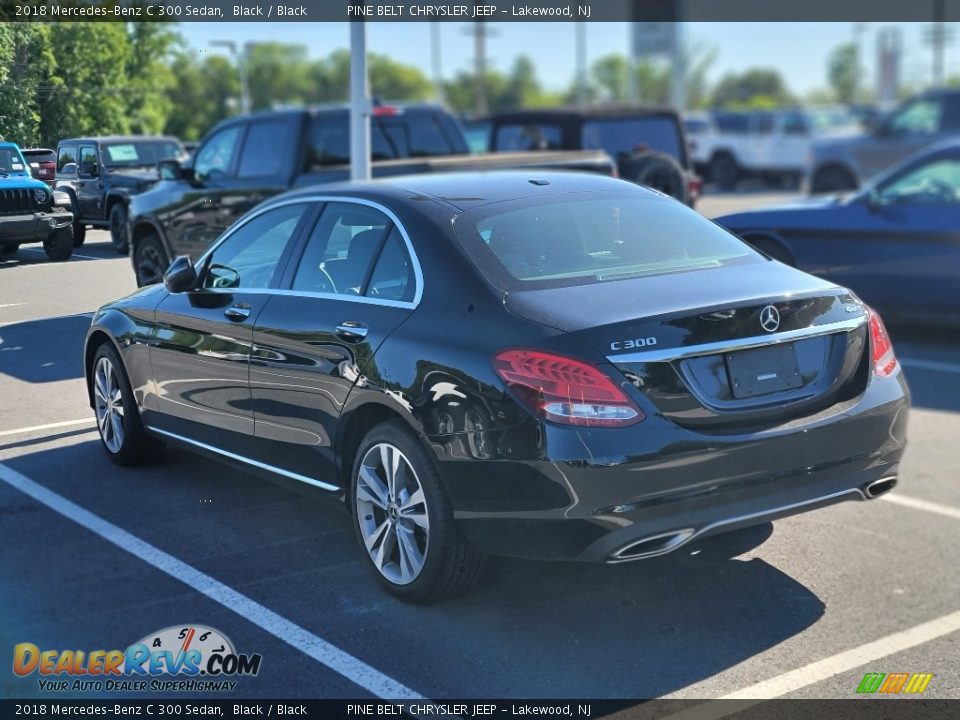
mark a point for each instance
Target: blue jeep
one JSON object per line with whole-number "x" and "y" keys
{"x": 30, "y": 211}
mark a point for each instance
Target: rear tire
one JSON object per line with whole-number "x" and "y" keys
{"x": 405, "y": 525}
{"x": 118, "y": 228}
{"x": 658, "y": 171}
{"x": 59, "y": 244}
{"x": 724, "y": 171}
{"x": 118, "y": 419}
{"x": 150, "y": 260}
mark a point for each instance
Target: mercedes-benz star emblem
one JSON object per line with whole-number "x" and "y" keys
{"x": 769, "y": 318}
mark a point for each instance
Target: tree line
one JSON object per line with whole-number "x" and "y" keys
{"x": 69, "y": 79}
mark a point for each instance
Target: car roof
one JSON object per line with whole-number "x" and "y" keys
{"x": 7, "y": 143}
{"x": 566, "y": 113}
{"x": 120, "y": 138}
{"x": 35, "y": 150}
{"x": 464, "y": 190}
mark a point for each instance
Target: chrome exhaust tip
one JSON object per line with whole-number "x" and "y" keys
{"x": 652, "y": 546}
{"x": 880, "y": 487}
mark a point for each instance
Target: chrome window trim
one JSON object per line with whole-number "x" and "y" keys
{"x": 417, "y": 270}
{"x": 680, "y": 353}
{"x": 245, "y": 460}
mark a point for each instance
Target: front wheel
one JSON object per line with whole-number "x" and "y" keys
{"x": 150, "y": 261}
{"x": 118, "y": 228}
{"x": 118, "y": 419}
{"x": 404, "y": 521}
{"x": 59, "y": 244}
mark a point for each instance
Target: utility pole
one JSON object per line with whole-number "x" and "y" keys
{"x": 436, "y": 61}
{"x": 480, "y": 32}
{"x": 240, "y": 60}
{"x": 359, "y": 104}
{"x": 938, "y": 36}
{"x": 580, "y": 42}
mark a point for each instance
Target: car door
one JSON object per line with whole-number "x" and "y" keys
{"x": 914, "y": 125}
{"x": 200, "y": 348}
{"x": 355, "y": 281}
{"x": 89, "y": 184}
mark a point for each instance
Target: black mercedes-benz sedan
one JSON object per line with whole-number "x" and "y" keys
{"x": 552, "y": 366}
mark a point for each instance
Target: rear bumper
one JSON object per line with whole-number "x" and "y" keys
{"x": 593, "y": 494}
{"x": 33, "y": 227}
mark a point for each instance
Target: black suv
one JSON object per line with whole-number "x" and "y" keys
{"x": 648, "y": 144}
{"x": 101, "y": 174}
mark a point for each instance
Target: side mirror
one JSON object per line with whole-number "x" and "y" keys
{"x": 180, "y": 276}
{"x": 69, "y": 169}
{"x": 173, "y": 169}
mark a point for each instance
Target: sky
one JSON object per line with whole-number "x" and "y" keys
{"x": 797, "y": 50}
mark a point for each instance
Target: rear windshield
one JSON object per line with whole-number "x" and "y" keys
{"x": 129, "y": 154}
{"x": 579, "y": 239}
{"x": 40, "y": 155}
{"x": 624, "y": 136}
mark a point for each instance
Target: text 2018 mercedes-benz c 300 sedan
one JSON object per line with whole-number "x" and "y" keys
{"x": 553, "y": 366}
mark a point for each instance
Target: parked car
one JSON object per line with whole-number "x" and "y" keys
{"x": 546, "y": 365}
{"x": 896, "y": 243}
{"x": 43, "y": 163}
{"x": 769, "y": 145}
{"x": 648, "y": 144}
{"x": 245, "y": 160}
{"x": 844, "y": 164}
{"x": 101, "y": 174}
{"x": 30, "y": 212}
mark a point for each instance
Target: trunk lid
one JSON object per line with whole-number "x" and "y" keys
{"x": 705, "y": 346}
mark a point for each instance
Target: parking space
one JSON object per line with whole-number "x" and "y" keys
{"x": 709, "y": 621}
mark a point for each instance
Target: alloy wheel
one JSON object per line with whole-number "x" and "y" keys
{"x": 149, "y": 265}
{"x": 108, "y": 398}
{"x": 392, "y": 510}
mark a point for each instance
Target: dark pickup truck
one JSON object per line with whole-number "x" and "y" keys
{"x": 245, "y": 160}
{"x": 648, "y": 144}
{"x": 101, "y": 174}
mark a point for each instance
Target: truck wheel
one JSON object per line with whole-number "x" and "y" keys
{"x": 59, "y": 244}
{"x": 149, "y": 260}
{"x": 9, "y": 248}
{"x": 79, "y": 233}
{"x": 658, "y": 171}
{"x": 118, "y": 228}
{"x": 724, "y": 171}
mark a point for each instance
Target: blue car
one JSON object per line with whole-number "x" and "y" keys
{"x": 896, "y": 243}
{"x": 30, "y": 211}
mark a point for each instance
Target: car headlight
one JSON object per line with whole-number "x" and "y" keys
{"x": 40, "y": 196}
{"x": 59, "y": 197}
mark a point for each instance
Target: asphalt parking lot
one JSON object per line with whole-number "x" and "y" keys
{"x": 96, "y": 556}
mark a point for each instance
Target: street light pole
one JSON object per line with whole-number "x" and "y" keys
{"x": 359, "y": 104}
{"x": 239, "y": 57}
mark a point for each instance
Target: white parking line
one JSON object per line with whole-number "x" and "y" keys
{"x": 821, "y": 670}
{"x": 918, "y": 504}
{"x": 7, "y": 305}
{"x": 353, "y": 669}
{"x": 76, "y": 255}
{"x": 48, "y": 426}
{"x": 932, "y": 365}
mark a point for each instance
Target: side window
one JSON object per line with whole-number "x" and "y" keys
{"x": 265, "y": 149}
{"x": 763, "y": 123}
{"x": 530, "y": 136}
{"x": 920, "y": 117}
{"x": 66, "y": 154}
{"x": 215, "y": 158}
{"x": 936, "y": 183}
{"x": 393, "y": 277}
{"x": 341, "y": 249}
{"x": 88, "y": 160}
{"x": 329, "y": 140}
{"x": 250, "y": 257}
{"x": 795, "y": 124}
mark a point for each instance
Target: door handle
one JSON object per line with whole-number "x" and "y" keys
{"x": 351, "y": 331}
{"x": 237, "y": 313}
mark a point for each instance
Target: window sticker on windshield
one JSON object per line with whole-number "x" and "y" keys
{"x": 16, "y": 166}
{"x": 122, "y": 153}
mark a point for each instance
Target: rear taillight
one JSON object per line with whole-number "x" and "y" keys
{"x": 694, "y": 186}
{"x": 565, "y": 390}
{"x": 881, "y": 348}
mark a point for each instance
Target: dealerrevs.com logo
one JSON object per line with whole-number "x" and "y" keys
{"x": 186, "y": 658}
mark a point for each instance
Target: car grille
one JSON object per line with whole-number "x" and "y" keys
{"x": 18, "y": 201}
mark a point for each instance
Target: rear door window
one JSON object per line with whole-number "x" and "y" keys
{"x": 66, "y": 154}
{"x": 528, "y": 136}
{"x": 215, "y": 158}
{"x": 265, "y": 149}
{"x": 88, "y": 160}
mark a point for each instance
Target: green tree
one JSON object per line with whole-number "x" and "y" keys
{"x": 201, "y": 94}
{"x": 26, "y": 64}
{"x": 610, "y": 79}
{"x": 843, "y": 72}
{"x": 753, "y": 88}
{"x": 278, "y": 74}
{"x": 91, "y": 93}
{"x": 149, "y": 75}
